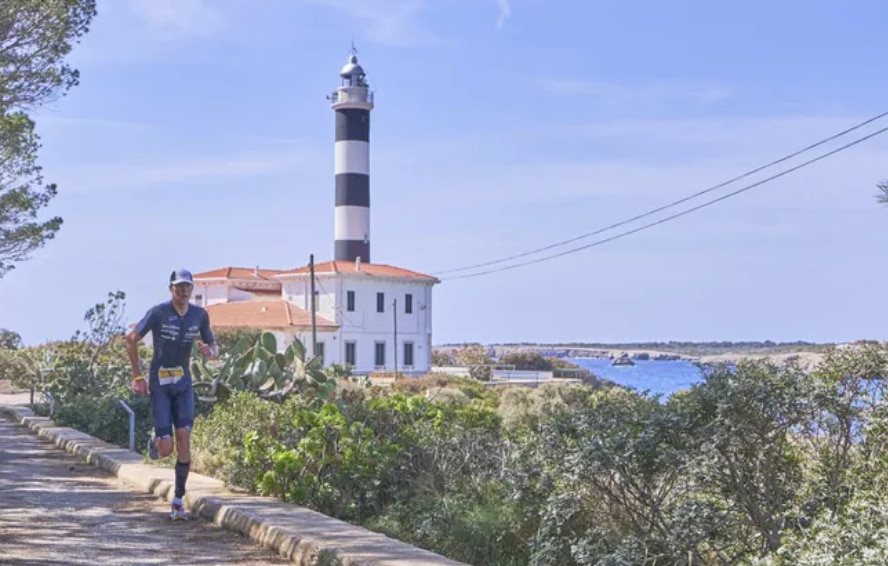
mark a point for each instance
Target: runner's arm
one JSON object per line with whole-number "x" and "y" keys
{"x": 206, "y": 335}
{"x": 132, "y": 341}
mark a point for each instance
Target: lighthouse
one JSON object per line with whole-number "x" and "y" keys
{"x": 352, "y": 102}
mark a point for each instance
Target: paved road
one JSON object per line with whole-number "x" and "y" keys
{"x": 54, "y": 509}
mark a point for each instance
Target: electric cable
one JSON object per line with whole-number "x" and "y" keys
{"x": 677, "y": 215}
{"x": 670, "y": 205}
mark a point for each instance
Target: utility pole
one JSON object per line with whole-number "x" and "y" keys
{"x": 314, "y": 321}
{"x": 395, "y": 315}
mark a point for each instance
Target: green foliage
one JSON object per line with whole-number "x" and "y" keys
{"x": 531, "y": 361}
{"x": 259, "y": 367}
{"x": 10, "y": 340}
{"x": 35, "y": 37}
{"x": 441, "y": 358}
{"x": 325, "y": 461}
{"x": 524, "y": 407}
{"x": 475, "y": 529}
{"x": 103, "y": 417}
{"x": 476, "y": 358}
{"x": 856, "y": 537}
{"x": 757, "y": 465}
{"x": 746, "y": 417}
{"x": 882, "y": 196}
{"x": 227, "y": 338}
{"x": 22, "y": 195}
{"x": 217, "y": 444}
{"x": 563, "y": 368}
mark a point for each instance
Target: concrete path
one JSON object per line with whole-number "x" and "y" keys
{"x": 57, "y": 509}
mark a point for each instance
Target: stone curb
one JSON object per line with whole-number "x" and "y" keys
{"x": 294, "y": 532}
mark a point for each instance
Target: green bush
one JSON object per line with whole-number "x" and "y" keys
{"x": 471, "y": 528}
{"x": 217, "y": 440}
{"x": 104, "y": 418}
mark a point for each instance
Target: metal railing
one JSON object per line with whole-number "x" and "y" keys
{"x": 47, "y": 395}
{"x": 132, "y": 424}
{"x": 51, "y": 402}
{"x": 352, "y": 95}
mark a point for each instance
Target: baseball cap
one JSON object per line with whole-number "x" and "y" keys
{"x": 181, "y": 276}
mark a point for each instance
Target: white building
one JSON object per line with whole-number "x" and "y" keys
{"x": 370, "y": 316}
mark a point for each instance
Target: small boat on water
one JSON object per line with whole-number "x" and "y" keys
{"x": 623, "y": 360}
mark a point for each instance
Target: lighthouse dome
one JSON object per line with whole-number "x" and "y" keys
{"x": 351, "y": 69}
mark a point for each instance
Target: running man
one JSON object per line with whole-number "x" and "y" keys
{"x": 174, "y": 325}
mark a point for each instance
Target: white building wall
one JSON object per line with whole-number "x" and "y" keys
{"x": 210, "y": 293}
{"x": 299, "y": 293}
{"x": 365, "y": 326}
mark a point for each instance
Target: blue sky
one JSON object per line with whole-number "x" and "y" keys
{"x": 200, "y": 137}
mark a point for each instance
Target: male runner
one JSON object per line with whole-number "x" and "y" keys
{"x": 174, "y": 325}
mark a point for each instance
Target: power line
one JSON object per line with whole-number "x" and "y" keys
{"x": 670, "y": 205}
{"x": 674, "y": 216}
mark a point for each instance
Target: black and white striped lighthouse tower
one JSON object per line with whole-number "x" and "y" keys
{"x": 352, "y": 102}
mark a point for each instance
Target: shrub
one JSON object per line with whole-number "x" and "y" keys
{"x": 217, "y": 441}
{"x": 104, "y": 418}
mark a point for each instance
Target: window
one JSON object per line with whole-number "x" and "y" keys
{"x": 319, "y": 350}
{"x": 350, "y": 301}
{"x": 380, "y": 354}
{"x": 408, "y": 303}
{"x": 380, "y": 302}
{"x": 350, "y": 353}
{"x": 198, "y": 300}
{"x": 408, "y": 353}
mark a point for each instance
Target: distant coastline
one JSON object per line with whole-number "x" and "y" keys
{"x": 808, "y": 354}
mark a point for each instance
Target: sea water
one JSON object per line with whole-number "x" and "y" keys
{"x": 653, "y": 376}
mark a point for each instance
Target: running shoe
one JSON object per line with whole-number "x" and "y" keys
{"x": 152, "y": 449}
{"x": 177, "y": 511}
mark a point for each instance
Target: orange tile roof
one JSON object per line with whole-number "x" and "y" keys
{"x": 266, "y": 314}
{"x": 371, "y": 269}
{"x": 238, "y": 273}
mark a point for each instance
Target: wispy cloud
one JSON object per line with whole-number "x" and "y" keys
{"x": 614, "y": 93}
{"x": 634, "y": 161}
{"x": 391, "y": 22}
{"x": 82, "y": 123}
{"x": 505, "y": 11}
{"x": 160, "y": 171}
{"x": 134, "y": 31}
{"x": 175, "y": 19}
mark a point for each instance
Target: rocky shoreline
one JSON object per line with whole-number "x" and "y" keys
{"x": 805, "y": 358}
{"x": 594, "y": 353}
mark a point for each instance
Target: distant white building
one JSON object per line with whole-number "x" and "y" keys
{"x": 371, "y": 316}
{"x": 357, "y": 308}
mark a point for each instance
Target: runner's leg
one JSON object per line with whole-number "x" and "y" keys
{"x": 183, "y": 419}
{"x": 183, "y": 407}
{"x": 161, "y": 409}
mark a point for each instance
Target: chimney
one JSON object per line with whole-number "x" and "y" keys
{"x": 256, "y": 271}
{"x": 358, "y": 263}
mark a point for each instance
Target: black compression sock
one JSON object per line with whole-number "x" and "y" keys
{"x": 181, "y": 475}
